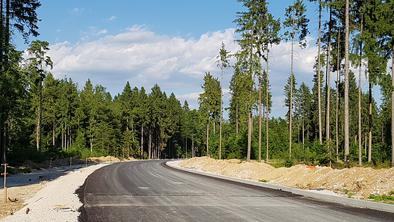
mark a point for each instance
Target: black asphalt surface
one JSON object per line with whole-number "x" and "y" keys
{"x": 150, "y": 191}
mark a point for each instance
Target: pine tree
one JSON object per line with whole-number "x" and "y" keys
{"x": 296, "y": 25}
{"x": 223, "y": 63}
{"x": 38, "y": 61}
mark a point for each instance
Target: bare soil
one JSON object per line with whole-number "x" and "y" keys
{"x": 18, "y": 195}
{"x": 356, "y": 182}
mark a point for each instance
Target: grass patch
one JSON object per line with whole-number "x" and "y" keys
{"x": 264, "y": 181}
{"x": 389, "y": 199}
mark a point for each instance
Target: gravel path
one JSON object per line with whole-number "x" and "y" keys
{"x": 57, "y": 201}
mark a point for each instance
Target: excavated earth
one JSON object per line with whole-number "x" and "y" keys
{"x": 356, "y": 182}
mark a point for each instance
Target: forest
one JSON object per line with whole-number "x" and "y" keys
{"x": 334, "y": 123}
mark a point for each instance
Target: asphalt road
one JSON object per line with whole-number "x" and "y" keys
{"x": 150, "y": 191}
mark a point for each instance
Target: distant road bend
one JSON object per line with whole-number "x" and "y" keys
{"x": 150, "y": 191}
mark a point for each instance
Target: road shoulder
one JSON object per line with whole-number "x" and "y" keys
{"x": 316, "y": 195}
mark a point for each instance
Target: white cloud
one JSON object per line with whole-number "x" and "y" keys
{"x": 102, "y": 32}
{"x": 112, "y": 18}
{"x": 176, "y": 63}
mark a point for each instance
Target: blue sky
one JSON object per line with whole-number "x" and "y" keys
{"x": 68, "y": 20}
{"x": 171, "y": 43}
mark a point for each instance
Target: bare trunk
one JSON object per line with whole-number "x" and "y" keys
{"x": 370, "y": 122}
{"x": 208, "y": 138}
{"x": 267, "y": 112}
{"x": 365, "y": 143}
{"x": 7, "y": 31}
{"x": 346, "y": 119}
{"x": 38, "y": 127}
{"x": 260, "y": 117}
{"x": 186, "y": 147}
{"x": 236, "y": 121}
{"x": 303, "y": 133}
{"x": 150, "y": 144}
{"x": 1, "y": 36}
{"x": 337, "y": 100}
{"x": 62, "y": 137}
{"x": 142, "y": 142}
{"x": 328, "y": 89}
{"x": 318, "y": 73}
{"x": 359, "y": 99}
{"x": 250, "y": 126}
{"x": 193, "y": 147}
{"x": 291, "y": 97}
{"x": 392, "y": 106}
{"x": 220, "y": 131}
{"x": 53, "y": 135}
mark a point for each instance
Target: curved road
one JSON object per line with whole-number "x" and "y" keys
{"x": 149, "y": 191}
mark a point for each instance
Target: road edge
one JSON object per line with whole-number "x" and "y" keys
{"x": 363, "y": 204}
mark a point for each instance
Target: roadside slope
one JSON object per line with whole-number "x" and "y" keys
{"x": 356, "y": 182}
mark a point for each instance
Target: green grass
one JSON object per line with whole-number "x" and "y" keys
{"x": 389, "y": 199}
{"x": 264, "y": 181}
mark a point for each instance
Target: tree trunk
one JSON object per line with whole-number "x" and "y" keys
{"x": 142, "y": 142}
{"x": 392, "y": 105}
{"x": 370, "y": 122}
{"x": 7, "y": 32}
{"x": 193, "y": 147}
{"x": 53, "y": 135}
{"x": 337, "y": 99}
{"x": 1, "y": 36}
{"x": 303, "y": 133}
{"x": 346, "y": 119}
{"x": 250, "y": 126}
{"x": 328, "y": 88}
{"x": 365, "y": 143}
{"x": 260, "y": 116}
{"x": 291, "y": 97}
{"x": 318, "y": 73}
{"x": 2, "y": 144}
{"x": 38, "y": 127}
{"x": 208, "y": 139}
{"x": 236, "y": 120}
{"x": 150, "y": 144}
{"x": 359, "y": 99}
{"x": 267, "y": 112}
{"x": 186, "y": 147}
{"x": 220, "y": 132}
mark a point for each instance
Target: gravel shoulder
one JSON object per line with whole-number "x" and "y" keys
{"x": 48, "y": 201}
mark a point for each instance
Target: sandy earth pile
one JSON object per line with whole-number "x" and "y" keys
{"x": 103, "y": 159}
{"x": 357, "y": 182}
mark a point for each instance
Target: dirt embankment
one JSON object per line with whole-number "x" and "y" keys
{"x": 357, "y": 182}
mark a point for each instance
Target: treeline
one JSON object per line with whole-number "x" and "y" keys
{"x": 42, "y": 117}
{"x": 53, "y": 117}
{"x": 332, "y": 122}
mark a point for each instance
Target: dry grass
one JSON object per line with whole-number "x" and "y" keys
{"x": 360, "y": 182}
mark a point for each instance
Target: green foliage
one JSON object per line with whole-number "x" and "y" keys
{"x": 389, "y": 199}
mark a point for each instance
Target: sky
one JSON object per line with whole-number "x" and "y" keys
{"x": 171, "y": 43}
